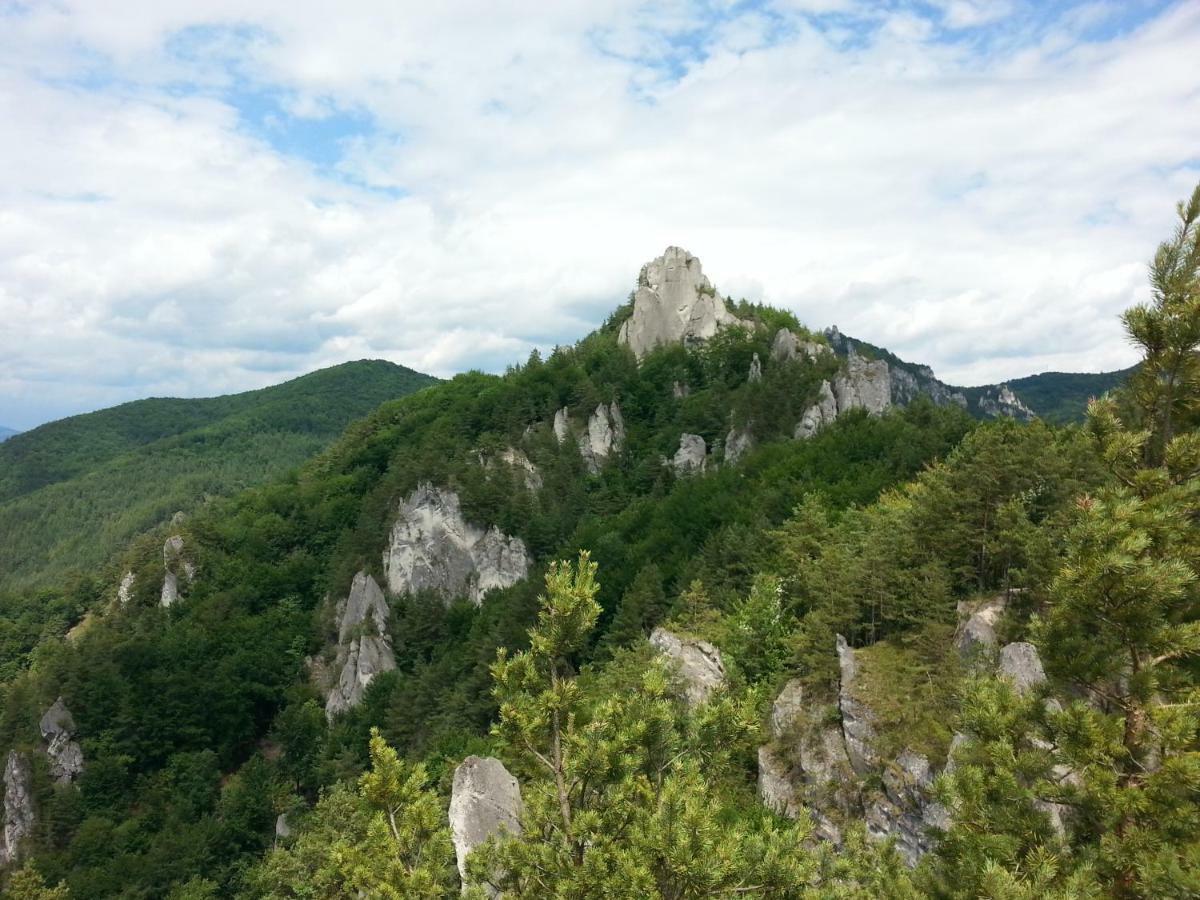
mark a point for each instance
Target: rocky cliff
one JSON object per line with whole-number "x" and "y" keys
{"x": 18, "y": 807}
{"x": 58, "y": 731}
{"x": 674, "y": 303}
{"x": 364, "y": 644}
{"x": 432, "y": 547}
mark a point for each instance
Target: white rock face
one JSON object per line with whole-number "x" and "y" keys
{"x": 432, "y": 547}
{"x": 485, "y": 800}
{"x": 680, "y": 389}
{"x": 605, "y": 435}
{"x": 58, "y": 731}
{"x": 692, "y": 455}
{"x": 674, "y": 303}
{"x": 517, "y": 461}
{"x": 1002, "y": 402}
{"x": 178, "y": 569}
{"x": 698, "y": 663}
{"x": 125, "y": 588}
{"x": 906, "y": 811}
{"x": 18, "y": 807}
{"x": 820, "y": 414}
{"x": 562, "y": 426}
{"x": 1021, "y": 664}
{"x": 857, "y": 721}
{"x": 364, "y": 644}
{"x": 977, "y": 633}
{"x": 866, "y": 385}
{"x": 737, "y": 443}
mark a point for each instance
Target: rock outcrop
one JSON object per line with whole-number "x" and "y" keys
{"x": 864, "y": 385}
{"x": 364, "y": 644}
{"x": 788, "y": 345}
{"x": 674, "y": 303}
{"x": 906, "y": 811}
{"x": 737, "y": 443}
{"x": 1000, "y": 402}
{"x": 755, "y": 370}
{"x": 976, "y": 633}
{"x": 820, "y": 414}
{"x": 1021, "y": 664}
{"x": 691, "y": 457}
{"x": 18, "y": 807}
{"x": 125, "y": 588}
{"x": 178, "y": 569}
{"x": 485, "y": 800}
{"x": 857, "y": 720}
{"x": 605, "y": 435}
{"x": 432, "y": 547}
{"x": 562, "y": 426}
{"x": 65, "y": 754}
{"x": 698, "y": 663}
{"x": 518, "y": 462}
{"x": 680, "y": 389}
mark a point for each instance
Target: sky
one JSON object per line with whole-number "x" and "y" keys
{"x": 206, "y": 196}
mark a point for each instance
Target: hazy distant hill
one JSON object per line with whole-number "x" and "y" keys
{"x": 75, "y": 490}
{"x": 6, "y": 433}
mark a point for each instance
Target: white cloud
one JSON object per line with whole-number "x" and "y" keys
{"x": 984, "y": 208}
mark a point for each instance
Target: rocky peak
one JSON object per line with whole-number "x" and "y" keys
{"x": 364, "y": 644}
{"x": 674, "y": 302}
{"x": 788, "y": 345}
{"x": 58, "y": 731}
{"x": 692, "y": 455}
{"x": 433, "y": 547}
{"x": 605, "y": 435}
{"x": 737, "y": 443}
{"x": 178, "y": 568}
{"x": 698, "y": 663}
{"x": 755, "y": 370}
{"x": 485, "y": 800}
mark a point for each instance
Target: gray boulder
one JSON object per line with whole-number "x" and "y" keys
{"x": 858, "y": 726}
{"x": 698, "y": 663}
{"x": 692, "y": 455}
{"x": 674, "y": 303}
{"x": 820, "y": 414}
{"x": 737, "y": 443}
{"x": 1021, "y": 664}
{"x": 977, "y": 632}
{"x": 58, "y": 731}
{"x": 364, "y": 645}
{"x": 19, "y": 813}
{"x": 432, "y": 547}
{"x": 485, "y": 800}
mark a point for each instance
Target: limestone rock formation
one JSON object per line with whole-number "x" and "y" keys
{"x": 364, "y": 644}
{"x": 485, "y": 800}
{"x": 737, "y": 443}
{"x": 605, "y": 435}
{"x": 692, "y": 455}
{"x": 1002, "y": 402}
{"x": 977, "y": 633}
{"x": 680, "y": 389}
{"x": 65, "y": 754}
{"x": 178, "y": 568}
{"x": 755, "y": 370}
{"x": 562, "y": 426}
{"x": 788, "y": 345}
{"x": 699, "y": 664}
{"x": 908, "y": 385}
{"x": 820, "y": 414}
{"x": 1021, "y": 664}
{"x": 674, "y": 302}
{"x": 906, "y": 811}
{"x": 283, "y": 828}
{"x": 125, "y": 588}
{"x": 432, "y": 547}
{"x": 517, "y": 461}
{"x": 857, "y": 720}
{"x": 865, "y": 385}
{"x": 18, "y": 807}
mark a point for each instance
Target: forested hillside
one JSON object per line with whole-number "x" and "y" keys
{"x": 72, "y": 492}
{"x": 693, "y": 608}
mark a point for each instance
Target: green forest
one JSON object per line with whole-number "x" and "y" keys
{"x": 875, "y": 581}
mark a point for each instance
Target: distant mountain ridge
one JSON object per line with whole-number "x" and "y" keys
{"x": 1058, "y": 397}
{"x": 75, "y": 490}
{"x": 6, "y": 433}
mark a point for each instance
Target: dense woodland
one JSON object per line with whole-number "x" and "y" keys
{"x": 200, "y": 723}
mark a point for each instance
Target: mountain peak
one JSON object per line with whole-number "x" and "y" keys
{"x": 674, "y": 302}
